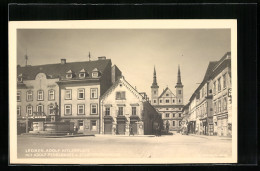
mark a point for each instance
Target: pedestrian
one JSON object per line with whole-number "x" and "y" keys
{"x": 131, "y": 131}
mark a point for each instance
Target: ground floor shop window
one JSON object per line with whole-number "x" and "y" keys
{"x": 80, "y": 125}
{"x": 93, "y": 125}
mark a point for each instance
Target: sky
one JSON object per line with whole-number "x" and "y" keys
{"x": 134, "y": 51}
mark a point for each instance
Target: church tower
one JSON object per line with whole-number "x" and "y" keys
{"x": 154, "y": 90}
{"x": 179, "y": 89}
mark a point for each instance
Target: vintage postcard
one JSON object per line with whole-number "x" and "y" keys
{"x": 123, "y": 92}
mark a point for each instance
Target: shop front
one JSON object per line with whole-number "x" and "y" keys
{"x": 108, "y": 124}
{"x": 222, "y": 125}
{"x": 133, "y": 123}
{"x": 121, "y": 125}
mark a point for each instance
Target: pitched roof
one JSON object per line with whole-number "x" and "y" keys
{"x": 211, "y": 67}
{"x": 209, "y": 71}
{"x": 164, "y": 91}
{"x": 121, "y": 80}
{"x": 59, "y": 70}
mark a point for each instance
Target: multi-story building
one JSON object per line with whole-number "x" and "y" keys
{"x": 123, "y": 107}
{"x": 75, "y": 87}
{"x": 210, "y": 104}
{"x": 37, "y": 93}
{"x": 168, "y": 104}
{"x": 222, "y": 104}
{"x": 204, "y": 109}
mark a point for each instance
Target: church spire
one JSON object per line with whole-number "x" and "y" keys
{"x": 154, "y": 79}
{"x": 179, "y": 84}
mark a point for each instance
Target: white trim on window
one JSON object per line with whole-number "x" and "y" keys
{"x": 81, "y": 109}
{"x": 40, "y": 95}
{"x": 29, "y": 110}
{"x": 68, "y": 94}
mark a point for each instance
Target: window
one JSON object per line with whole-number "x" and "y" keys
{"x": 94, "y": 74}
{"x": 93, "y": 92}
{"x": 179, "y": 100}
{"x": 179, "y": 123}
{"x": 173, "y": 101}
{"x": 167, "y": 108}
{"x": 93, "y": 125}
{"x": 167, "y": 94}
{"x": 167, "y": 115}
{"x": 81, "y": 109}
{"x": 179, "y": 91}
{"x": 173, "y": 115}
{"x": 29, "y": 110}
{"x": 120, "y": 111}
{"x": 225, "y": 103}
{"x": 120, "y": 95}
{"x": 51, "y": 95}
{"x": 167, "y": 101}
{"x": 67, "y": 109}
{"x": 82, "y": 75}
{"x": 133, "y": 110}
{"x": 20, "y": 79}
{"x": 154, "y": 92}
{"x": 214, "y": 87}
{"x": 51, "y": 111}
{"x": 40, "y": 95}
{"x": 202, "y": 92}
{"x": 215, "y": 107}
{"x": 68, "y": 94}
{"x": 173, "y": 123}
{"x": 18, "y": 110}
{"x": 81, "y": 94}
{"x": 224, "y": 80}
{"x": 18, "y": 96}
{"x": 69, "y": 75}
{"x": 29, "y": 95}
{"x": 154, "y": 101}
{"x": 107, "y": 111}
{"x": 219, "y": 85}
{"x": 93, "y": 108}
{"x": 39, "y": 109}
{"x": 179, "y": 114}
{"x": 219, "y": 105}
{"x": 160, "y": 101}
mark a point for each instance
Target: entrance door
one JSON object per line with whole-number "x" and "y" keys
{"x": 121, "y": 128}
{"x": 81, "y": 125}
{"x": 134, "y": 126}
{"x": 108, "y": 128}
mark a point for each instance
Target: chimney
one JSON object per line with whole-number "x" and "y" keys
{"x": 102, "y": 58}
{"x": 63, "y": 61}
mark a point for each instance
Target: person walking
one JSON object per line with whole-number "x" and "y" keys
{"x": 131, "y": 131}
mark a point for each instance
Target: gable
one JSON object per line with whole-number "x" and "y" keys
{"x": 122, "y": 85}
{"x": 167, "y": 93}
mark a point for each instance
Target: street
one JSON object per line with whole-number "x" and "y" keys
{"x": 173, "y": 146}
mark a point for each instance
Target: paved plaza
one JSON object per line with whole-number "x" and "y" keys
{"x": 171, "y": 146}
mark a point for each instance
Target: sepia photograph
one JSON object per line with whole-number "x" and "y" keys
{"x": 123, "y": 92}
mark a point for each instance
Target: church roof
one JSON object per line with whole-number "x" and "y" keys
{"x": 164, "y": 91}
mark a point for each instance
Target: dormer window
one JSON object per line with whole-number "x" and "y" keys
{"x": 20, "y": 78}
{"x": 82, "y": 73}
{"x": 69, "y": 74}
{"x": 95, "y": 73}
